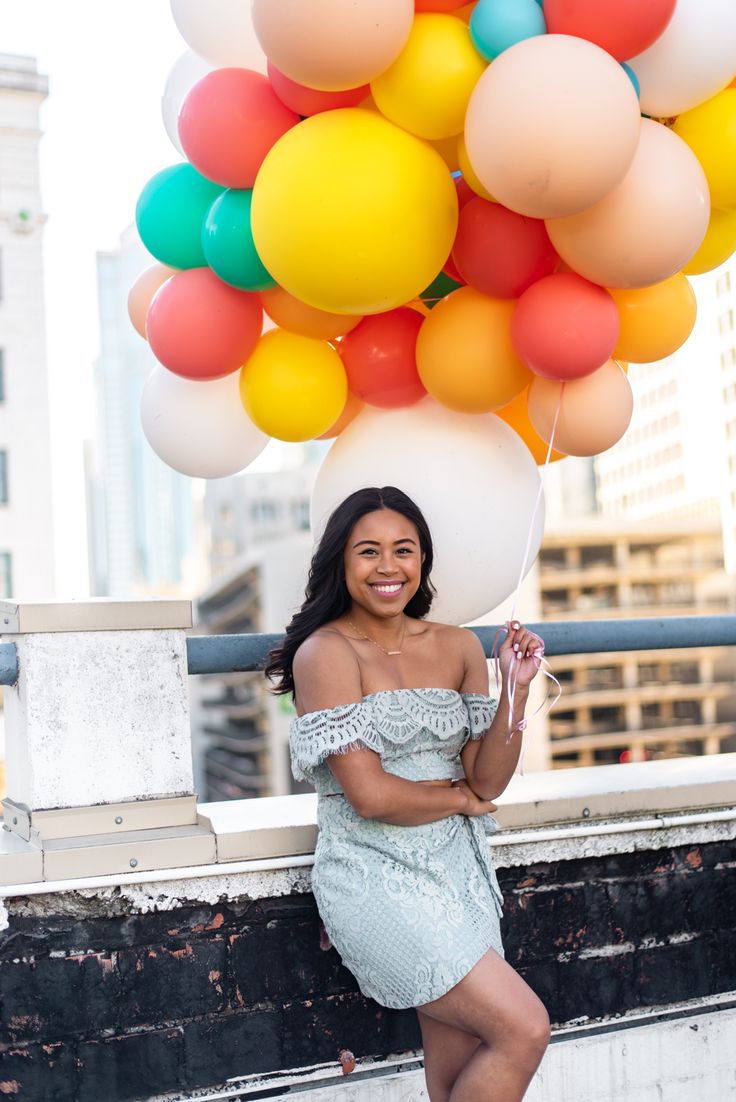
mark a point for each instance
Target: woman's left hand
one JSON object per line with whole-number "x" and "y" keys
{"x": 523, "y": 650}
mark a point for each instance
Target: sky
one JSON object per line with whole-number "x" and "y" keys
{"x": 107, "y": 62}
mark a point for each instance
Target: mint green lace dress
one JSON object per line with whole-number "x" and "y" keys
{"x": 410, "y": 909}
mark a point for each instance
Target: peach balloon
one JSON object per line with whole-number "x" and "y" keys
{"x": 655, "y": 320}
{"x": 465, "y": 356}
{"x": 648, "y": 227}
{"x": 331, "y": 45}
{"x": 296, "y": 316}
{"x": 516, "y": 414}
{"x": 552, "y": 125}
{"x": 143, "y": 290}
{"x": 594, "y": 411}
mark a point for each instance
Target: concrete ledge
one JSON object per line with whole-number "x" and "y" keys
{"x": 92, "y": 614}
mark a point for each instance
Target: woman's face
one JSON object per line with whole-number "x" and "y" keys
{"x": 383, "y": 562}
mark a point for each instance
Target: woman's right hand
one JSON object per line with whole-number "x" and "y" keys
{"x": 474, "y": 805}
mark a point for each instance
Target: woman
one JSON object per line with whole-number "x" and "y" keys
{"x": 391, "y": 710}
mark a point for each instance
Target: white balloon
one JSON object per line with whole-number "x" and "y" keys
{"x": 199, "y": 429}
{"x": 693, "y": 58}
{"x": 221, "y": 31}
{"x": 185, "y": 72}
{"x": 472, "y": 477}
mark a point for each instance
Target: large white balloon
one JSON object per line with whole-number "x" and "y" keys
{"x": 692, "y": 59}
{"x": 185, "y": 72}
{"x": 199, "y": 429}
{"x": 221, "y": 31}
{"x": 471, "y": 476}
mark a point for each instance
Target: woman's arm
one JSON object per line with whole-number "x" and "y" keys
{"x": 489, "y": 763}
{"x": 326, "y": 675}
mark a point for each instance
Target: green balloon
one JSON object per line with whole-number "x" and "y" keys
{"x": 227, "y": 242}
{"x": 170, "y": 212}
{"x": 440, "y": 286}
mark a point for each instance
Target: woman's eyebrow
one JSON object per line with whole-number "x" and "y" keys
{"x": 375, "y": 543}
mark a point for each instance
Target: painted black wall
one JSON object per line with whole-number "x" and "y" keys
{"x": 101, "y": 1005}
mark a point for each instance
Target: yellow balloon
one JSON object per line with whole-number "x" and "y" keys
{"x": 710, "y": 131}
{"x": 465, "y": 356}
{"x": 293, "y": 387}
{"x": 718, "y": 244}
{"x": 352, "y": 215}
{"x": 655, "y": 320}
{"x": 426, "y": 90}
{"x": 468, "y": 174}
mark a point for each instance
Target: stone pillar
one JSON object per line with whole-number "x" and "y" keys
{"x": 98, "y": 742}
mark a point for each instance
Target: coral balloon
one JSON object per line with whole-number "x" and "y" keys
{"x": 552, "y": 126}
{"x": 465, "y": 356}
{"x": 495, "y": 25}
{"x": 648, "y": 227}
{"x": 439, "y": 5}
{"x": 227, "y": 242}
{"x": 331, "y": 45}
{"x": 516, "y": 414}
{"x": 718, "y": 244}
{"x": 691, "y": 60}
{"x": 199, "y": 429}
{"x": 380, "y": 359}
{"x": 201, "y": 328}
{"x": 427, "y": 88}
{"x": 472, "y": 478}
{"x": 594, "y": 412}
{"x": 622, "y": 27}
{"x": 292, "y": 314}
{"x": 499, "y": 252}
{"x": 352, "y": 408}
{"x": 710, "y": 131}
{"x": 185, "y": 72}
{"x": 292, "y": 387}
{"x": 310, "y": 101}
{"x": 142, "y": 292}
{"x": 228, "y": 122}
{"x": 169, "y": 215}
{"x": 655, "y": 321}
{"x": 366, "y": 234}
{"x": 220, "y": 31}
{"x": 564, "y": 327}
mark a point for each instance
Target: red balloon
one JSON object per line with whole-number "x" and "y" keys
{"x": 564, "y": 327}
{"x": 501, "y": 253}
{"x": 622, "y": 27}
{"x": 380, "y": 358}
{"x": 228, "y": 122}
{"x": 464, "y": 191}
{"x": 439, "y": 5}
{"x": 200, "y": 327}
{"x": 311, "y": 101}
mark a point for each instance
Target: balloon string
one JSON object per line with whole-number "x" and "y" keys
{"x": 539, "y": 653}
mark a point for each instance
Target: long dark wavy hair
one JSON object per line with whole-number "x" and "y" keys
{"x": 326, "y": 597}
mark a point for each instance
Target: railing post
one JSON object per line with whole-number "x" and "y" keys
{"x": 98, "y": 741}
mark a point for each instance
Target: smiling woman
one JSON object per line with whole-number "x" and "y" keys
{"x": 397, "y": 732}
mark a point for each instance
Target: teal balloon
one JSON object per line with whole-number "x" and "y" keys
{"x": 441, "y": 285}
{"x": 632, "y": 77}
{"x": 170, "y": 212}
{"x": 228, "y": 245}
{"x": 497, "y": 24}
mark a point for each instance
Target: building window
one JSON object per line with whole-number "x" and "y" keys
{"x": 2, "y": 374}
{"x": 3, "y": 478}
{"x": 6, "y": 575}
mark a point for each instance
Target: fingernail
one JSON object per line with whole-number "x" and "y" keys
{"x": 519, "y": 655}
{"x": 516, "y": 646}
{"x": 516, "y": 624}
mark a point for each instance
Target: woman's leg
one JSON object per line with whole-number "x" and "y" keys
{"x": 446, "y": 1052}
{"x": 493, "y": 1003}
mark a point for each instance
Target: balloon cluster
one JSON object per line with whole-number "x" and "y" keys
{"x": 495, "y": 204}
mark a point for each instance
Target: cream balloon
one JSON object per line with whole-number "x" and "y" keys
{"x": 330, "y": 44}
{"x": 221, "y": 31}
{"x": 472, "y": 477}
{"x": 185, "y": 72}
{"x": 143, "y": 290}
{"x": 693, "y": 58}
{"x": 594, "y": 412}
{"x": 199, "y": 429}
{"x": 648, "y": 227}
{"x": 551, "y": 126}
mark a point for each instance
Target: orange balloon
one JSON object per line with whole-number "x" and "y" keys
{"x": 465, "y": 356}
{"x": 143, "y": 290}
{"x": 447, "y": 149}
{"x": 655, "y": 320}
{"x": 516, "y": 414}
{"x": 594, "y": 412}
{"x": 293, "y": 314}
{"x": 353, "y": 406}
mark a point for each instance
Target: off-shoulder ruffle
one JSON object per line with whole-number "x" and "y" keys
{"x": 481, "y": 710}
{"x": 316, "y": 735}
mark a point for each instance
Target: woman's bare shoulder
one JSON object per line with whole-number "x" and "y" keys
{"x": 326, "y": 671}
{"x": 450, "y": 635}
